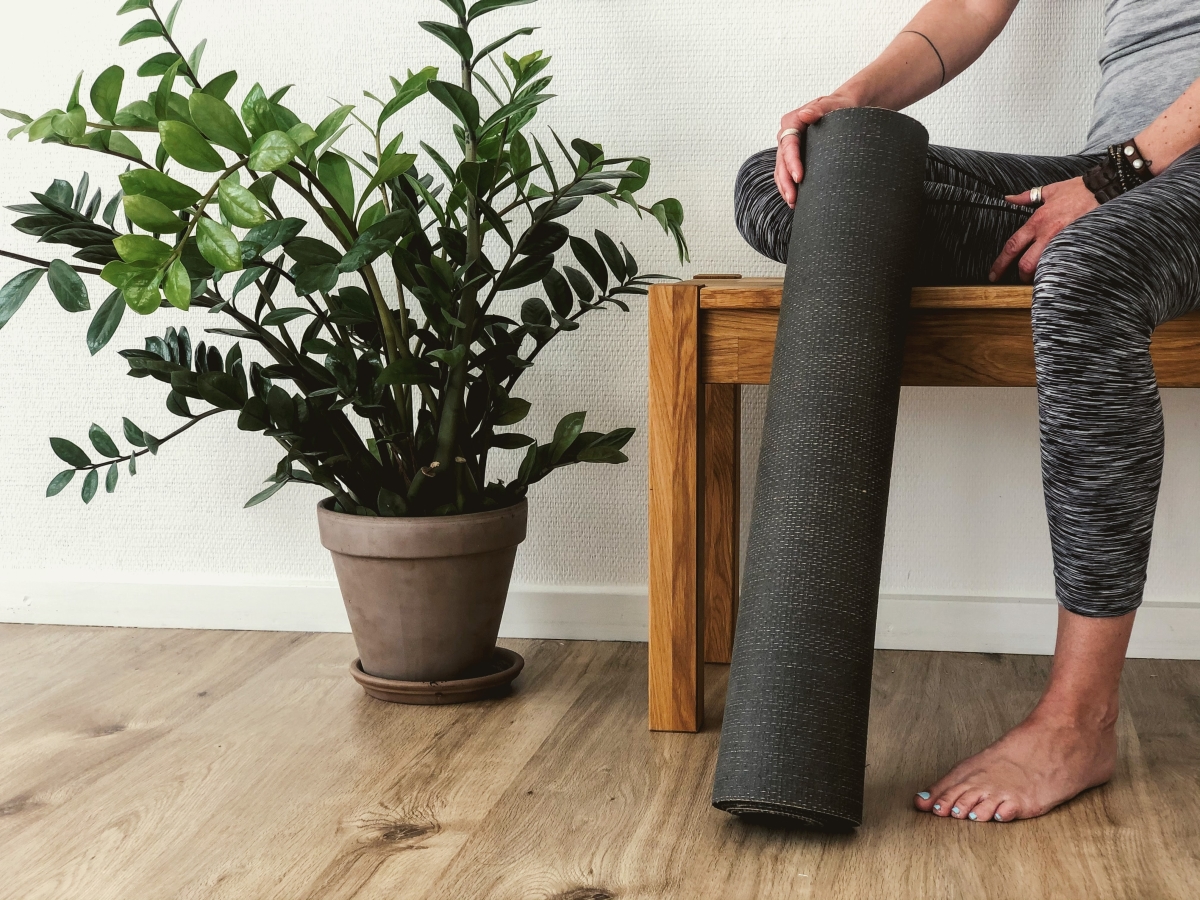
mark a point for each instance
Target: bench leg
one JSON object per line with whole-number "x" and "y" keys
{"x": 722, "y": 497}
{"x": 676, "y": 510}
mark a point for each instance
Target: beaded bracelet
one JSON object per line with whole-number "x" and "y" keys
{"x": 1122, "y": 170}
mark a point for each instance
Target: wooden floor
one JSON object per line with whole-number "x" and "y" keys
{"x": 178, "y": 764}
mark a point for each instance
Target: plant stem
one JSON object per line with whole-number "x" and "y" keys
{"x": 83, "y": 270}
{"x": 161, "y": 441}
{"x": 186, "y": 71}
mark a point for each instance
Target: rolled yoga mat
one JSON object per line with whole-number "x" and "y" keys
{"x": 794, "y": 737}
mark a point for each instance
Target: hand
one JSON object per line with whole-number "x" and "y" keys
{"x": 1064, "y": 202}
{"x": 789, "y": 171}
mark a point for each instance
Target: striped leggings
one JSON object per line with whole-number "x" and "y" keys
{"x": 1101, "y": 288}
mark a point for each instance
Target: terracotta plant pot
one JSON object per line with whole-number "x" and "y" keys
{"x": 424, "y": 595}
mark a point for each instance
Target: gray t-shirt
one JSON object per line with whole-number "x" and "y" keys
{"x": 1149, "y": 55}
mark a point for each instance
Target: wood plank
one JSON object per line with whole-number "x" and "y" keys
{"x": 767, "y": 293}
{"x": 294, "y": 784}
{"x": 722, "y": 500}
{"x": 676, "y": 414}
{"x": 945, "y": 348}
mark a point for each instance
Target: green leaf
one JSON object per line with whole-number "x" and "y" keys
{"x": 265, "y": 495}
{"x": 178, "y": 286}
{"x": 511, "y": 411}
{"x": 591, "y": 261}
{"x": 264, "y": 188}
{"x": 275, "y": 233}
{"x": 146, "y": 212}
{"x": 564, "y": 435}
{"x": 195, "y": 56}
{"x": 141, "y": 249}
{"x": 454, "y": 37}
{"x": 131, "y": 5}
{"x": 90, "y": 484}
{"x": 496, "y": 45}
{"x": 510, "y": 441}
{"x": 147, "y": 28}
{"x": 218, "y": 122}
{"x": 483, "y": 7}
{"x": 559, "y": 292}
{"x": 394, "y": 166}
{"x": 641, "y": 166}
{"x": 163, "y": 188}
{"x": 254, "y": 416}
{"x": 141, "y": 292}
{"x": 110, "y": 480}
{"x": 459, "y": 101}
{"x": 13, "y": 294}
{"x": 158, "y": 65}
{"x": 612, "y": 255}
{"x": 133, "y": 434}
{"x": 272, "y": 151}
{"x": 104, "y": 322}
{"x": 170, "y": 20}
{"x": 60, "y": 481}
{"x": 106, "y": 92}
{"x": 218, "y": 245}
{"x": 414, "y": 87}
{"x": 287, "y": 314}
{"x": 406, "y": 370}
{"x": 333, "y": 171}
{"x": 238, "y": 205}
{"x": 69, "y": 289}
{"x": 331, "y": 123}
{"x": 221, "y": 390}
{"x": 187, "y": 146}
{"x": 526, "y": 272}
{"x": 102, "y": 442}
{"x": 602, "y": 454}
{"x": 220, "y": 86}
{"x": 69, "y": 453}
{"x": 301, "y": 134}
{"x": 71, "y": 124}
{"x": 391, "y": 504}
{"x": 312, "y": 252}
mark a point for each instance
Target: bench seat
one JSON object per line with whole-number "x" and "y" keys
{"x": 710, "y": 335}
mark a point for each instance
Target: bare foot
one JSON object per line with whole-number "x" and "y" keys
{"x": 1040, "y": 764}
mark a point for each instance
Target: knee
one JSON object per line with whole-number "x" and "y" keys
{"x": 761, "y": 215}
{"x": 1078, "y": 292}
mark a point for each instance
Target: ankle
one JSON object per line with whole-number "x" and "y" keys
{"x": 1077, "y": 713}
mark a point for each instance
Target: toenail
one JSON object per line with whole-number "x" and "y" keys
{"x": 954, "y": 810}
{"x": 938, "y": 807}
{"x": 924, "y": 795}
{"x": 997, "y": 817}
{"x": 972, "y": 816}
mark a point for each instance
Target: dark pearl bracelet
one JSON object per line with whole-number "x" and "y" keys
{"x": 1122, "y": 170}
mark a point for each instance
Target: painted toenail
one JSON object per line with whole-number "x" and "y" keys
{"x": 924, "y": 795}
{"x": 938, "y": 807}
{"x": 972, "y": 816}
{"x": 997, "y": 817}
{"x": 954, "y": 810}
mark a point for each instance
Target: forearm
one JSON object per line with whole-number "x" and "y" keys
{"x": 909, "y": 68}
{"x": 1174, "y": 132}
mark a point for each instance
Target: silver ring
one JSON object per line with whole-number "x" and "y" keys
{"x": 785, "y": 133}
{"x": 1035, "y": 196}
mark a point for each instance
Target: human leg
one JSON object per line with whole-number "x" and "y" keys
{"x": 1101, "y": 288}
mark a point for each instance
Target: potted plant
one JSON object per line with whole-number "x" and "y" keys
{"x": 385, "y": 335}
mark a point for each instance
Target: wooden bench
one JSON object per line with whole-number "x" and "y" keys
{"x": 712, "y": 334}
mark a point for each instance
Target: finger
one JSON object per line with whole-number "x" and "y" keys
{"x": 1013, "y": 248}
{"x": 784, "y": 181}
{"x": 789, "y": 154}
{"x": 1027, "y": 267}
{"x": 1021, "y": 199}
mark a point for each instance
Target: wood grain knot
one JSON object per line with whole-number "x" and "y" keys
{"x": 585, "y": 893}
{"x": 106, "y": 730}
{"x": 18, "y": 804}
{"x": 394, "y": 833}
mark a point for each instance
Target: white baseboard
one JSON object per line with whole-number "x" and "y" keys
{"x": 610, "y": 613}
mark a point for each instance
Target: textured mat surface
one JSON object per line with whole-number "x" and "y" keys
{"x": 793, "y": 741}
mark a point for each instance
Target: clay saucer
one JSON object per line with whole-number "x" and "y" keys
{"x": 489, "y": 679}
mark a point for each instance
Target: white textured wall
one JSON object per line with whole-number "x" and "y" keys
{"x": 695, "y": 85}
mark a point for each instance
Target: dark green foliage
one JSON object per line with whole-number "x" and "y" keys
{"x": 432, "y": 377}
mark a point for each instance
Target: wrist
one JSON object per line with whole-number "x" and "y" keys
{"x": 1122, "y": 169}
